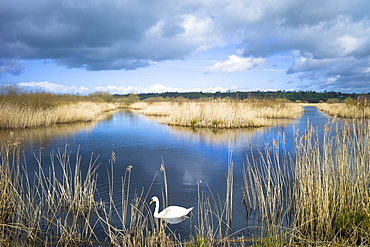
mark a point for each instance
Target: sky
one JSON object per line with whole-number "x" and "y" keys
{"x": 145, "y": 46}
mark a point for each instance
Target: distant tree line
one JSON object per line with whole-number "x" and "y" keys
{"x": 295, "y": 96}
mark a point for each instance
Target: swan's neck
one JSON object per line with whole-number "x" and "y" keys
{"x": 156, "y": 210}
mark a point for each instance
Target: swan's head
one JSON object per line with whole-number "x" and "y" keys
{"x": 153, "y": 199}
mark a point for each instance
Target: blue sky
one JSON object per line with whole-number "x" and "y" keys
{"x": 138, "y": 46}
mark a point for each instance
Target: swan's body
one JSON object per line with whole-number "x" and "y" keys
{"x": 171, "y": 214}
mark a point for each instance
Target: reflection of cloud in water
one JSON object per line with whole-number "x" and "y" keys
{"x": 42, "y": 136}
{"x": 233, "y": 138}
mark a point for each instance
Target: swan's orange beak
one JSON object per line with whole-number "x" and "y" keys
{"x": 151, "y": 201}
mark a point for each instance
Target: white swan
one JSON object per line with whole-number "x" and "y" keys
{"x": 171, "y": 214}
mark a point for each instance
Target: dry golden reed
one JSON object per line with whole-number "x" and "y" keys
{"x": 344, "y": 110}
{"x": 221, "y": 113}
{"x": 13, "y": 116}
{"x": 318, "y": 195}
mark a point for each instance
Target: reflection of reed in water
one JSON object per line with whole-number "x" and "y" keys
{"x": 43, "y": 135}
{"x": 210, "y": 136}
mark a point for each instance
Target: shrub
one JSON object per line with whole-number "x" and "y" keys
{"x": 349, "y": 101}
{"x": 334, "y": 100}
{"x": 129, "y": 100}
{"x": 101, "y": 96}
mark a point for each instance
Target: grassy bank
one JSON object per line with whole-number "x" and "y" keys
{"x": 28, "y": 110}
{"x": 221, "y": 113}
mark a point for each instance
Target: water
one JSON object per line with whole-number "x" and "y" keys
{"x": 188, "y": 155}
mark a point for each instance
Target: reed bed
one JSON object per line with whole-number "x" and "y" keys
{"x": 221, "y": 113}
{"x": 15, "y": 116}
{"x": 317, "y": 196}
{"x": 345, "y": 110}
{"x": 51, "y": 210}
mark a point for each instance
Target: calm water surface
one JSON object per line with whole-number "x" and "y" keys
{"x": 189, "y": 155}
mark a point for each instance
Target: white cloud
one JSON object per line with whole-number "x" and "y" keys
{"x": 118, "y": 90}
{"x": 236, "y": 64}
{"x": 156, "y": 88}
{"x": 54, "y": 88}
{"x": 348, "y": 44}
{"x": 332, "y": 80}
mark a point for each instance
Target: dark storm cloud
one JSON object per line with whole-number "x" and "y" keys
{"x": 344, "y": 74}
{"x": 97, "y": 35}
